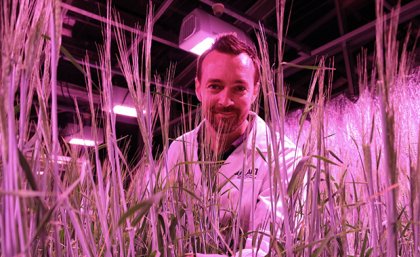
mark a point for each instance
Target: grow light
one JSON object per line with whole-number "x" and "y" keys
{"x": 81, "y": 141}
{"x": 125, "y": 110}
{"x": 199, "y": 30}
{"x": 202, "y": 46}
{"x": 76, "y": 135}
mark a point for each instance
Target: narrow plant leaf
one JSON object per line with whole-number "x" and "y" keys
{"x": 187, "y": 191}
{"x": 71, "y": 58}
{"x": 45, "y": 220}
{"x": 299, "y": 100}
{"x": 27, "y": 170}
{"x": 319, "y": 250}
{"x": 335, "y": 156}
{"x": 172, "y": 228}
{"x": 364, "y": 245}
{"x": 141, "y": 208}
{"x": 306, "y": 67}
{"x": 261, "y": 154}
{"x": 153, "y": 254}
{"x": 372, "y": 129}
{"x": 322, "y": 158}
{"x": 225, "y": 182}
{"x": 369, "y": 252}
{"x": 298, "y": 176}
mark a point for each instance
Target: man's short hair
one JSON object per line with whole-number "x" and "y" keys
{"x": 230, "y": 44}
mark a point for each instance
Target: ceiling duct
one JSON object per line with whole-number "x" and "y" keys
{"x": 199, "y": 30}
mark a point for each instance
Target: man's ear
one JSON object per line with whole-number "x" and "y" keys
{"x": 198, "y": 89}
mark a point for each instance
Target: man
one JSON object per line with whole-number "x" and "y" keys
{"x": 224, "y": 160}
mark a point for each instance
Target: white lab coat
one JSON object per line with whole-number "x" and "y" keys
{"x": 244, "y": 165}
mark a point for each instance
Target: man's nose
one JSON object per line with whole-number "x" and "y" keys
{"x": 225, "y": 98}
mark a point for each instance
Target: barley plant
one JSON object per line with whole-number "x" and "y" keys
{"x": 356, "y": 194}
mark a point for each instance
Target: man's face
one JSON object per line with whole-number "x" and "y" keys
{"x": 226, "y": 90}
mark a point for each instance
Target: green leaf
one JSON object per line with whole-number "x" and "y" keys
{"x": 372, "y": 129}
{"x": 261, "y": 154}
{"x": 27, "y": 170}
{"x": 405, "y": 228}
{"x": 369, "y": 252}
{"x": 172, "y": 228}
{"x": 364, "y": 245}
{"x": 141, "y": 208}
{"x": 161, "y": 235}
{"x": 66, "y": 53}
{"x": 322, "y": 158}
{"x": 299, "y": 100}
{"x": 401, "y": 213}
{"x": 297, "y": 177}
{"x": 226, "y": 181}
{"x": 187, "y": 191}
{"x": 45, "y": 220}
{"x": 153, "y": 254}
{"x": 335, "y": 156}
{"x": 319, "y": 250}
{"x": 73, "y": 60}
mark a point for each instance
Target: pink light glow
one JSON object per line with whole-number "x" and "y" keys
{"x": 80, "y": 141}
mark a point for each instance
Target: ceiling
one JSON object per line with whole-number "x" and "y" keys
{"x": 334, "y": 28}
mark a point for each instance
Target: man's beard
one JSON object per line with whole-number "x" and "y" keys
{"x": 224, "y": 120}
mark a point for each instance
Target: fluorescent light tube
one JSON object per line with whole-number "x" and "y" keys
{"x": 81, "y": 141}
{"x": 125, "y": 110}
{"x": 202, "y": 46}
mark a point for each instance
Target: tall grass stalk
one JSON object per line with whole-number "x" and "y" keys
{"x": 55, "y": 35}
{"x": 368, "y": 125}
{"x": 18, "y": 20}
{"x": 279, "y": 127}
{"x": 387, "y": 66}
{"x": 139, "y": 85}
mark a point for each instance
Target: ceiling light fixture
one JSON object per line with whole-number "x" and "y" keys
{"x": 202, "y": 46}
{"x": 85, "y": 137}
{"x": 123, "y": 102}
{"x": 81, "y": 141}
{"x": 199, "y": 30}
{"x": 125, "y": 110}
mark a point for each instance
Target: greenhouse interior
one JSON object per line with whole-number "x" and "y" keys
{"x": 210, "y": 128}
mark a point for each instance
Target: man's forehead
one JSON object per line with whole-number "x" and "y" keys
{"x": 213, "y": 56}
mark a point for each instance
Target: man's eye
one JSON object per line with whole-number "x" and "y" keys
{"x": 240, "y": 88}
{"x": 214, "y": 87}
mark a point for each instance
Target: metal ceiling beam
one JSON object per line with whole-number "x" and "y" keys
{"x": 346, "y": 55}
{"x": 299, "y": 47}
{"x": 315, "y": 25}
{"x": 69, "y": 90}
{"x": 264, "y": 7}
{"x": 407, "y": 12}
{"x": 115, "y": 24}
{"x": 118, "y": 72}
{"x": 160, "y": 12}
{"x": 162, "y": 9}
{"x": 321, "y": 21}
{"x": 186, "y": 72}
